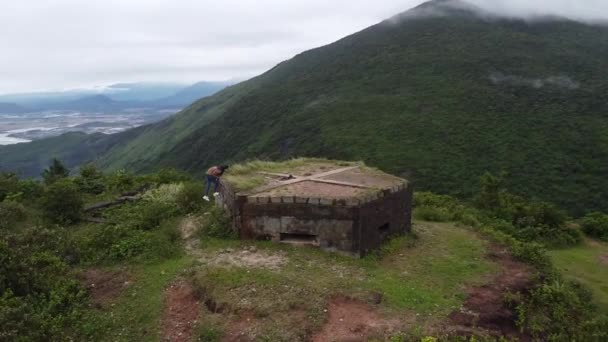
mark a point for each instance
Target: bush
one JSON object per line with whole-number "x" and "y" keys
{"x": 189, "y": 199}
{"x": 429, "y": 199}
{"x": 62, "y": 202}
{"x": 30, "y": 189}
{"x": 596, "y": 225}
{"x": 170, "y": 175}
{"x": 40, "y": 299}
{"x": 121, "y": 180}
{"x": 434, "y": 214}
{"x": 218, "y": 225}
{"x": 166, "y": 193}
{"x": 145, "y": 215}
{"x": 560, "y": 309}
{"x": 11, "y": 212}
{"x": 9, "y": 184}
{"x": 114, "y": 243}
{"x": 91, "y": 180}
{"x": 55, "y": 172}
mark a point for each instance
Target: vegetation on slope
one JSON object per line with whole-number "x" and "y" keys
{"x": 420, "y": 275}
{"x": 586, "y": 263}
{"x": 439, "y": 99}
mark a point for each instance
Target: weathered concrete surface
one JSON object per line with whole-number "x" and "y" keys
{"x": 353, "y": 210}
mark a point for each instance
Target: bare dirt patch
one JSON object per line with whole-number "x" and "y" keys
{"x": 181, "y": 312}
{"x": 241, "y": 329}
{"x": 604, "y": 259}
{"x": 352, "y": 320}
{"x": 105, "y": 286}
{"x": 249, "y": 258}
{"x": 485, "y": 306}
{"x": 188, "y": 229}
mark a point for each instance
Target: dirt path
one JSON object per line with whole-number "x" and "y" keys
{"x": 182, "y": 310}
{"x": 352, "y": 320}
{"x": 485, "y": 306}
{"x": 182, "y": 307}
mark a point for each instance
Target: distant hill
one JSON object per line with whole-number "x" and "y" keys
{"x": 11, "y": 108}
{"x": 439, "y": 94}
{"x": 117, "y": 97}
{"x": 93, "y": 103}
{"x": 192, "y": 93}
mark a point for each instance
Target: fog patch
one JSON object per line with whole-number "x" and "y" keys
{"x": 561, "y": 81}
{"x": 525, "y": 10}
{"x": 441, "y": 8}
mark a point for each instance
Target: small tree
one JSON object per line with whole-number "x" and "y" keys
{"x": 9, "y": 184}
{"x": 62, "y": 202}
{"x": 491, "y": 188}
{"x": 55, "y": 172}
{"x": 91, "y": 180}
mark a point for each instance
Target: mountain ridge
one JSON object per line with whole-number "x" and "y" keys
{"x": 440, "y": 99}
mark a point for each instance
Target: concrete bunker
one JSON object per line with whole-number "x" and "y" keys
{"x": 338, "y": 206}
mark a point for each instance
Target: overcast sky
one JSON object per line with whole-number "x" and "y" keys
{"x": 63, "y": 44}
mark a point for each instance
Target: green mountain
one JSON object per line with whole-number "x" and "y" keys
{"x": 440, "y": 94}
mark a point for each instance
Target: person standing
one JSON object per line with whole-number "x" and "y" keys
{"x": 213, "y": 177}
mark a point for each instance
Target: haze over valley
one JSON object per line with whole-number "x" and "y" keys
{"x": 32, "y": 116}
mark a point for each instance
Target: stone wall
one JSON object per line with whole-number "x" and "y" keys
{"x": 332, "y": 226}
{"x": 388, "y": 216}
{"x": 355, "y": 226}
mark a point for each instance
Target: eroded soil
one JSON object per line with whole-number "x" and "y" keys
{"x": 105, "y": 286}
{"x": 352, "y": 320}
{"x": 181, "y": 312}
{"x": 486, "y": 307}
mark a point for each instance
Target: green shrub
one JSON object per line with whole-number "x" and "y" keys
{"x": 165, "y": 193}
{"x": 170, "y": 175}
{"x": 40, "y": 300}
{"x": 30, "y": 189}
{"x": 189, "y": 199}
{"x": 9, "y": 184}
{"x": 145, "y": 215}
{"x": 557, "y": 311}
{"x": 114, "y": 243}
{"x": 596, "y": 225}
{"x": 11, "y": 212}
{"x": 218, "y": 224}
{"x": 91, "y": 180}
{"x": 56, "y": 240}
{"x": 62, "y": 202}
{"x": 121, "y": 180}
{"x": 429, "y": 199}
{"x": 434, "y": 214}
{"x": 55, "y": 172}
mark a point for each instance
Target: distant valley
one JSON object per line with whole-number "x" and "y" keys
{"x": 28, "y": 117}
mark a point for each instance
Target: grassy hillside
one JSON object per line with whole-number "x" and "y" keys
{"x": 586, "y": 264}
{"x": 439, "y": 99}
{"x": 74, "y": 149}
{"x": 169, "y": 266}
{"x": 442, "y": 99}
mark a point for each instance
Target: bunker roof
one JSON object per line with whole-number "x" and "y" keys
{"x": 311, "y": 178}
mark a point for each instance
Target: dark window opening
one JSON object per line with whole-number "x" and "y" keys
{"x": 385, "y": 228}
{"x": 298, "y": 238}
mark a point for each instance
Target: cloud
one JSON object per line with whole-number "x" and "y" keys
{"x": 560, "y": 81}
{"x": 59, "y": 44}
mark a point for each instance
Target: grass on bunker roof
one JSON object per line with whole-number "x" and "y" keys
{"x": 247, "y": 176}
